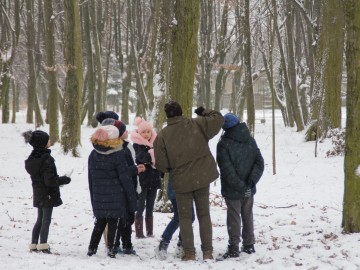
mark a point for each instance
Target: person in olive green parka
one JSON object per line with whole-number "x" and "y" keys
{"x": 182, "y": 149}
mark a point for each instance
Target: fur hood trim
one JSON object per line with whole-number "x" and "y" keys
{"x": 113, "y": 143}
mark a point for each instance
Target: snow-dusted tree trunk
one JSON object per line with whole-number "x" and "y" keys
{"x": 70, "y": 134}
{"x": 248, "y": 88}
{"x": 184, "y": 53}
{"x": 351, "y": 213}
{"x": 89, "y": 65}
{"x": 53, "y": 112}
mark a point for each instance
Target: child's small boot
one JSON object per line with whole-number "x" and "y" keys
{"x": 33, "y": 248}
{"x": 44, "y": 248}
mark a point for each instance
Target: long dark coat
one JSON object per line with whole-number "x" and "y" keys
{"x": 240, "y": 161}
{"x": 111, "y": 182}
{"x": 45, "y": 180}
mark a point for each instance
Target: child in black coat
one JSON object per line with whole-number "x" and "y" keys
{"x": 45, "y": 182}
{"x": 150, "y": 181}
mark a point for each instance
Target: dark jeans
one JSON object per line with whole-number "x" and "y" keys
{"x": 99, "y": 227}
{"x": 185, "y": 201}
{"x": 146, "y": 199}
{"x": 237, "y": 211}
{"x": 42, "y": 225}
{"x": 124, "y": 232}
{"x": 174, "y": 223}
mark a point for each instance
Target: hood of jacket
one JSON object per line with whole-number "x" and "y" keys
{"x": 239, "y": 133}
{"x": 34, "y": 161}
{"x": 107, "y": 147}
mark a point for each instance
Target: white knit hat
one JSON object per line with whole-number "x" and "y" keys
{"x": 104, "y": 133}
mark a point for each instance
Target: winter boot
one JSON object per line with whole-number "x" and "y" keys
{"x": 33, "y": 248}
{"x": 188, "y": 256}
{"x": 207, "y": 255}
{"x": 161, "y": 250}
{"x": 92, "y": 251}
{"x": 44, "y": 248}
{"x": 129, "y": 250}
{"x": 139, "y": 227}
{"x": 232, "y": 252}
{"x": 149, "y": 226}
{"x": 249, "y": 249}
{"x": 111, "y": 252}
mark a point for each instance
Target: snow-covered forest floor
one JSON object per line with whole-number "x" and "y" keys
{"x": 297, "y": 211}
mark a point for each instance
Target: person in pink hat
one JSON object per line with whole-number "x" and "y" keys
{"x": 150, "y": 181}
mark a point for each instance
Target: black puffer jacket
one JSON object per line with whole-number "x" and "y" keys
{"x": 45, "y": 180}
{"x": 111, "y": 173}
{"x": 151, "y": 177}
{"x": 240, "y": 161}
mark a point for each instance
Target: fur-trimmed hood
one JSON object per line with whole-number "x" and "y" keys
{"x": 108, "y": 146}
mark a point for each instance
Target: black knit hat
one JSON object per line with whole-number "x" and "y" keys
{"x": 37, "y": 138}
{"x": 172, "y": 109}
{"x": 101, "y": 116}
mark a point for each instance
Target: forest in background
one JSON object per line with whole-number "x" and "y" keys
{"x": 79, "y": 57}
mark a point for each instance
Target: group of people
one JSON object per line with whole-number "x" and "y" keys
{"x": 124, "y": 179}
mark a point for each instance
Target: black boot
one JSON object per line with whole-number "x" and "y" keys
{"x": 111, "y": 253}
{"x": 92, "y": 251}
{"x": 129, "y": 251}
{"x": 249, "y": 249}
{"x": 232, "y": 252}
{"x": 161, "y": 250}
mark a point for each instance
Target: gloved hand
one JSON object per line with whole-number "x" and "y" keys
{"x": 64, "y": 180}
{"x": 199, "y": 110}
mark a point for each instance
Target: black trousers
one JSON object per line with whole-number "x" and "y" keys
{"x": 99, "y": 227}
{"x": 42, "y": 225}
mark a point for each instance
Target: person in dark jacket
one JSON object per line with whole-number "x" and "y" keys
{"x": 45, "y": 182}
{"x": 112, "y": 192}
{"x": 182, "y": 149}
{"x": 241, "y": 167}
{"x": 150, "y": 181}
{"x": 124, "y": 232}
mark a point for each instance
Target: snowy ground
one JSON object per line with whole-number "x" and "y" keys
{"x": 297, "y": 212}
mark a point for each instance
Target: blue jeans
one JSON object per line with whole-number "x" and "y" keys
{"x": 174, "y": 223}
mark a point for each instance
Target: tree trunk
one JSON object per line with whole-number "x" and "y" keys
{"x": 70, "y": 134}
{"x": 248, "y": 88}
{"x": 90, "y": 67}
{"x": 351, "y": 213}
{"x": 53, "y": 113}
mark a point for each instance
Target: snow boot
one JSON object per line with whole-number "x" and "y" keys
{"x": 232, "y": 252}
{"x": 92, "y": 251}
{"x": 188, "y": 256}
{"x": 161, "y": 250}
{"x": 249, "y": 249}
{"x": 44, "y": 248}
{"x": 139, "y": 227}
{"x": 33, "y": 248}
{"x": 129, "y": 251}
{"x": 149, "y": 226}
{"x": 207, "y": 255}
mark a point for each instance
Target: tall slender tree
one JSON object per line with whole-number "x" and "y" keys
{"x": 70, "y": 133}
{"x": 351, "y": 213}
{"x": 184, "y": 53}
{"x": 53, "y": 112}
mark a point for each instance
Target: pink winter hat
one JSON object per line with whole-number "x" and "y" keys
{"x": 105, "y": 133}
{"x": 142, "y": 124}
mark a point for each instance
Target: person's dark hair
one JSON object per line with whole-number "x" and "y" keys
{"x": 172, "y": 109}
